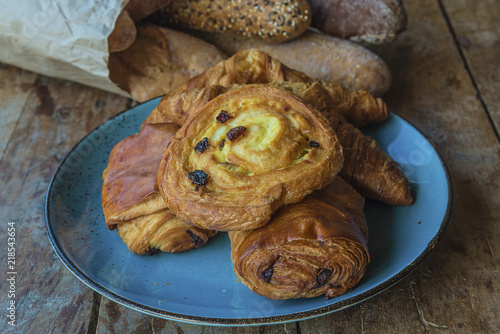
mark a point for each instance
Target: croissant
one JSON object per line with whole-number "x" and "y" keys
{"x": 253, "y": 66}
{"x": 314, "y": 247}
{"x": 243, "y": 155}
{"x": 367, "y": 167}
{"x": 131, "y": 201}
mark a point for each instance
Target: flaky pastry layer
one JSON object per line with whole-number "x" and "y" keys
{"x": 131, "y": 201}
{"x": 311, "y": 248}
{"x": 243, "y": 155}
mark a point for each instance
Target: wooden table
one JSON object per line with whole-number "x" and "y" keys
{"x": 446, "y": 70}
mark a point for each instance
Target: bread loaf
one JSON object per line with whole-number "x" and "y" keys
{"x": 273, "y": 21}
{"x": 139, "y": 9}
{"x": 373, "y": 21}
{"x": 123, "y": 34}
{"x": 320, "y": 56}
{"x": 159, "y": 60}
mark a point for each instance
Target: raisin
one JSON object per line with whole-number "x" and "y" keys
{"x": 267, "y": 274}
{"x": 221, "y": 144}
{"x": 223, "y": 116}
{"x": 202, "y": 145}
{"x": 198, "y": 177}
{"x": 236, "y": 132}
{"x": 323, "y": 277}
{"x": 198, "y": 242}
{"x": 313, "y": 143}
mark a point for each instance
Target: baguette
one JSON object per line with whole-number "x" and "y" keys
{"x": 372, "y": 21}
{"x": 159, "y": 60}
{"x": 319, "y": 56}
{"x": 273, "y": 21}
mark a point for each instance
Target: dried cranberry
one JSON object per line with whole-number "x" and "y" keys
{"x": 223, "y": 116}
{"x": 221, "y": 144}
{"x": 236, "y": 132}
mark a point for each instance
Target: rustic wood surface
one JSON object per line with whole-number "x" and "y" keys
{"x": 446, "y": 69}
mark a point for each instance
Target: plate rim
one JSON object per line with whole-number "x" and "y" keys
{"x": 269, "y": 320}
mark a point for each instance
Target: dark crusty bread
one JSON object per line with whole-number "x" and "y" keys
{"x": 273, "y": 21}
{"x": 373, "y": 21}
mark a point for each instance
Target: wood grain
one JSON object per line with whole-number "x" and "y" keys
{"x": 476, "y": 25}
{"x": 446, "y": 79}
{"x": 456, "y": 287}
{"x": 52, "y": 117}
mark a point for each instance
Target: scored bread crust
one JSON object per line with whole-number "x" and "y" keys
{"x": 287, "y": 150}
{"x": 320, "y": 56}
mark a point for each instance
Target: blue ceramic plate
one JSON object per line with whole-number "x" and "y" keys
{"x": 200, "y": 286}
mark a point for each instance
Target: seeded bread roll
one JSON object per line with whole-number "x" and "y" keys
{"x": 273, "y": 21}
{"x": 320, "y": 56}
{"x": 372, "y": 21}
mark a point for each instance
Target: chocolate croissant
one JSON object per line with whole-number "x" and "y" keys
{"x": 243, "y": 155}
{"x": 311, "y": 248}
{"x": 131, "y": 201}
{"x": 367, "y": 167}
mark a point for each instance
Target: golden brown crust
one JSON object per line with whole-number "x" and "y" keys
{"x": 132, "y": 203}
{"x": 320, "y": 56}
{"x": 253, "y": 66}
{"x": 373, "y": 21}
{"x": 285, "y": 150}
{"x": 274, "y": 21}
{"x": 367, "y": 167}
{"x": 161, "y": 231}
{"x": 129, "y": 187}
{"x": 123, "y": 34}
{"x": 314, "y": 247}
{"x": 159, "y": 60}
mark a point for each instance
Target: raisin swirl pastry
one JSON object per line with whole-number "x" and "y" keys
{"x": 311, "y": 248}
{"x": 372, "y": 172}
{"x": 243, "y": 155}
{"x": 131, "y": 201}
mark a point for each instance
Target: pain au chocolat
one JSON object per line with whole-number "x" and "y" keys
{"x": 315, "y": 247}
{"x": 131, "y": 201}
{"x": 244, "y": 154}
